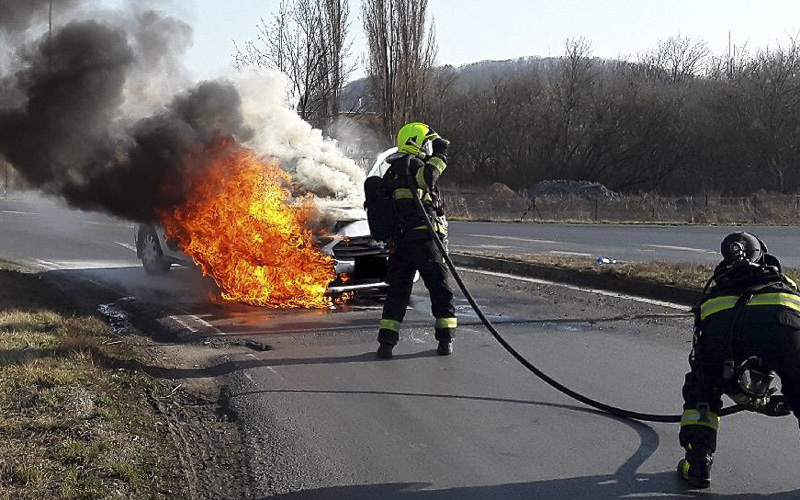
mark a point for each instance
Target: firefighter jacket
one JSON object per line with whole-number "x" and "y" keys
{"x": 770, "y": 298}
{"x": 407, "y": 172}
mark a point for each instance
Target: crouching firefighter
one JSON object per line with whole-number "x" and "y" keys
{"x": 747, "y": 330}
{"x": 420, "y": 159}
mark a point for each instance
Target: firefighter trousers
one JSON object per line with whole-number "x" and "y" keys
{"x": 777, "y": 345}
{"x": 408, "y": 257}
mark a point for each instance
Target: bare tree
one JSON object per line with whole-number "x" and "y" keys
{"x": 401, "y": 54}
{"x": 677, "y": 60}
{"x": 308, "y": 41}
{"x": 439, "y": 87}
{"x": 773, "y": 109}
{"x": 571, "y": 92}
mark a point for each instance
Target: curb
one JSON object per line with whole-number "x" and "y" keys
{"x": 603, "y": 280}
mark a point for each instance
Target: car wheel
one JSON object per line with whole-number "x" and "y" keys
{"x": 152, "y": 257}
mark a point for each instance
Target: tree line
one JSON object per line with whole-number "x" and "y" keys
{"x": 674, "y": 120}
{"x": 677, "y": 121}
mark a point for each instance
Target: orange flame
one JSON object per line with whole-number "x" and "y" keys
{"x": 241, "y": 226}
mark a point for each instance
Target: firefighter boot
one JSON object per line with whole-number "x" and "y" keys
{"x": 388, "y": 339}
{"x": 696, "y": 468}
{"x": 445, "y": 338}
{"x": 385, "y": 350}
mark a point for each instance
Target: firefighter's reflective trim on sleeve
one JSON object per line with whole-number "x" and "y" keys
{"x": 420, "y": 177}
{"x": 789, "y": 281}
{"x": 402, "y": 194}
{"x": 446, "y": 323}
{"x": 718, "y": 304}
{"x": 439, "y": 228}
{"x": 693, "y": 417}
{"x": 390, "y": 324}
{"x": 406, "y": 194}
{"x": 437, "y": 163}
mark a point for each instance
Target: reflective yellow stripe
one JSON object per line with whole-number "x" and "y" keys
{"x": 390, "y": 324}
{"x": 685, "y": 469}
{"x": 718, "y": 304}
{"x": 420, "y": 176}
{"x": 692, "y": 417}
{"x": 406, "y": 194}
{"x": 446, "y": 322}
{"x": 437, "y": 163}
{"x": 439, "y": 228}
{"x": 789, "y": 281}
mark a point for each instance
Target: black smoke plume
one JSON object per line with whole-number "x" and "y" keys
{"x": 68, "y": 135}
{"x": 19, "y": 15}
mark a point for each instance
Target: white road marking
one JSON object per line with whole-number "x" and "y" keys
{"x": 181, "y": 321}
{"x": 251, "y": 379}
{"x": 577, "y": 254}
{"x": 670, "y": 305}
{"x": 513, "y": 238}
{"x": 82, "y": 264}
{"x": 46, "y": 264}
{"x": 15, "y": 212}
{"x": 129, "y": 246}
{"x": 53, "y": 266}
{"x": 685, "y": 249}
{"x": 485, "y": 247}
{"x": 111, "y": 224}
{"x": 186, "y": 320}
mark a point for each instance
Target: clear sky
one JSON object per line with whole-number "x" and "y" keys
{"x": 474, "y": 30}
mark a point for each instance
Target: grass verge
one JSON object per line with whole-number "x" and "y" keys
{"x": 74, "y": 423}
{"x": 683, "y": 275}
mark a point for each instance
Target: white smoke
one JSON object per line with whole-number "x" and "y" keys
{"x": 315, "y": 162}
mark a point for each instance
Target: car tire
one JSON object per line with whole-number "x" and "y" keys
{"x": 152, "y": 256}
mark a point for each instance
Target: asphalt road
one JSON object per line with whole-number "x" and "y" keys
{"x": 323, "y": 418}
{"x": 692, "y": 244}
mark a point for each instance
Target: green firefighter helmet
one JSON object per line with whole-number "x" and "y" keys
{"x": 415, "y": 139}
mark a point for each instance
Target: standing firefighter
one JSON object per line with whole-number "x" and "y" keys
{"x": 747, "y": 329}
{"x": 420, "y": 159}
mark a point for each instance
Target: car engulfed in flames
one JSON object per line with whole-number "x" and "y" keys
{"x": 243, "y": 226}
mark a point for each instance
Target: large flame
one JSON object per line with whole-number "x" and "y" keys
{"x": 242, "y": 227}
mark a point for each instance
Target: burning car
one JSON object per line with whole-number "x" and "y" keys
{"x": 252, "y": 233}
{"x": 360, "y": 261}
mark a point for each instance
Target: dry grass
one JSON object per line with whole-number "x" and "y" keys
{"x": 73, "y": 424}
{"x": 497, "y": 204}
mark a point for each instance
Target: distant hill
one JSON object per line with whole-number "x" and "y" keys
{"x": 477, "y": 74}
{"x": 355, "y": 94}
{"x": 484, "y": 72}
{"x": 356, "y": 97}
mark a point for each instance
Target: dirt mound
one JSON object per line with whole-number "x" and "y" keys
{"x": 500, "y": 189}
{"x": 584, "y": 189}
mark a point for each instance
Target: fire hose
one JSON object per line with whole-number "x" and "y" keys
{"x": 620, "y": 412}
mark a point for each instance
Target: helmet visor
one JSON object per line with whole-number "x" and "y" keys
{"x": 427, "y": 147}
